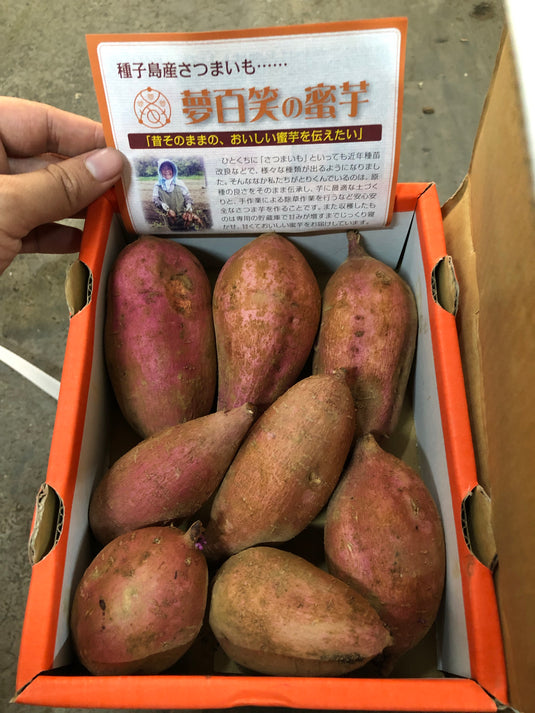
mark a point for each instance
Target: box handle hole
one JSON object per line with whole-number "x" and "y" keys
{"x": 444, "y": 285}
{"x": 476, "y": 517}
{"x": 48, "y": 523}
{"x": 78, "y": 287}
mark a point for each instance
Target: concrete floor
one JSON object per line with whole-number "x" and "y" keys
{"x": 451, "y": 49}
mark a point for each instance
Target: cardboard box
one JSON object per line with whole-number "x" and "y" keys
{"x": 459, "y": 667}
{"x": 490, "y": 228}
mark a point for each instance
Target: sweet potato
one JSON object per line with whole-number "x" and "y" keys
{"x": 368, "y": 327}
{"x": 383, "y": 536}
{"x": 159, "y": 337}
{"x": 169, "y": 475}
{"x": 276, "y": 613}
{"x": 266, "y": 310}
{"x": 286, "y": 468}
{"x": 141, "y": 602}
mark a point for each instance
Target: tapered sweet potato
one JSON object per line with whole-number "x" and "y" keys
{"x": 141, "y": 602}
{"x": 368, "y": 327}
{"x": 383, "y": 536}
{"x": 286, "y": 468}
{"x": 276, "y": 613}
{"x": 159, "y": 338}
{"x": 169, "y": 475}
{"x": 266, "y": 310}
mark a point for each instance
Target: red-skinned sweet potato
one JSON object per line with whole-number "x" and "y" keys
{"x": 159, "y": 338}
{"x": 286, "y": 468}
{"x": 266, "y": 310}
{"x": 368, "y": 327}
{"x": 141, "y": 602}
{"x": 383, "y": 535}
{"x": 168, "y": 476}
{"x": 276, "y": 613}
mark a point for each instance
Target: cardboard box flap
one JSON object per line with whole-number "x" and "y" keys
{"x": 489, "y": 227}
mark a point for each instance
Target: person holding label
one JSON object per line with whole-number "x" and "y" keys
{"x": 53, "y": 164}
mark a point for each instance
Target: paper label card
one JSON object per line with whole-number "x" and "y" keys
{"x": 288, "y": 129}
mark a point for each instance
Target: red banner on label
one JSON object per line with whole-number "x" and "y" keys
{"x": 241, "y": 139}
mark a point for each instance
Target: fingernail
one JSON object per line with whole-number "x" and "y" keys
{"x": 104, "y": 164}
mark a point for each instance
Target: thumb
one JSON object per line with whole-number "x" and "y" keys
{"x": 63, "y": 189}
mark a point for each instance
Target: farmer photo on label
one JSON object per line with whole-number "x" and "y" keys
{"x": 172, "y": 197}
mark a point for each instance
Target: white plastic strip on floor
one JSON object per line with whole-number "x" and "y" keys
{"x": 37, "y": 377}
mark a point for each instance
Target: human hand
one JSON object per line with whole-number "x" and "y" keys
{"x": 53, "y": 164}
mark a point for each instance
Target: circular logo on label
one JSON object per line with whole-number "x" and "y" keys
{"x": 152, "y": 108}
